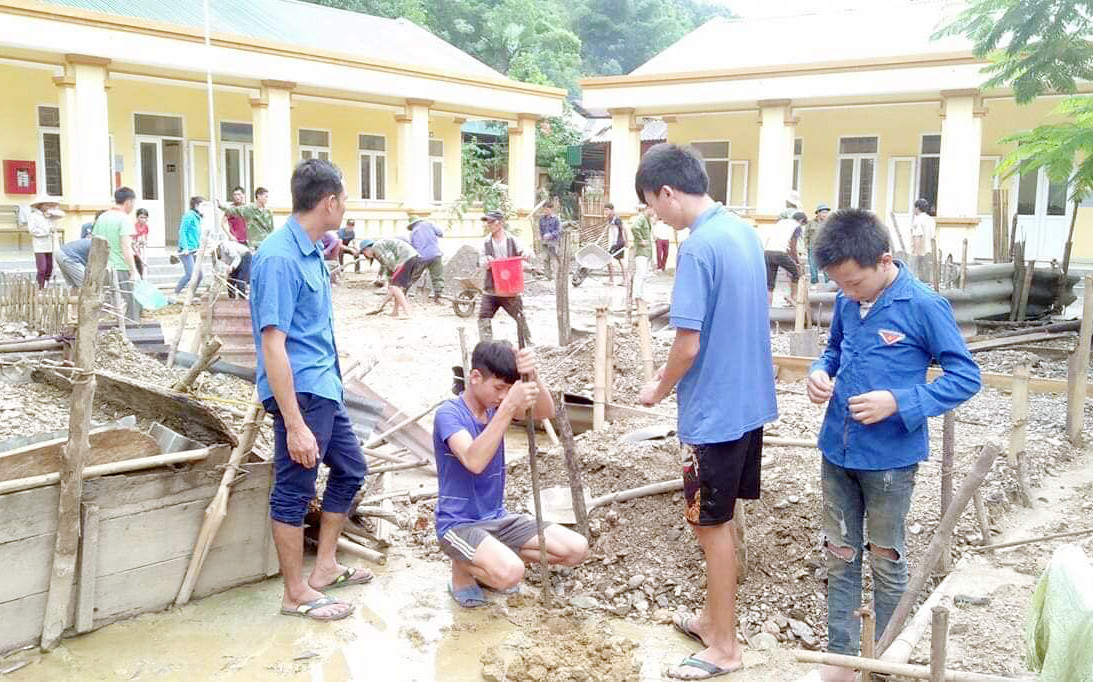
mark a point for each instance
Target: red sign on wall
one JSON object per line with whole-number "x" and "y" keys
{"x": 20, "y": 177}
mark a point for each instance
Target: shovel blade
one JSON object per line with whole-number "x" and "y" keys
{"x": 558, "y": 505}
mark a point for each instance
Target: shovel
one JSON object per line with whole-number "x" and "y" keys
{"x": 557, "y": 502}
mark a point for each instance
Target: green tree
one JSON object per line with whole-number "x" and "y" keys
{"x": 1040, "y": 47}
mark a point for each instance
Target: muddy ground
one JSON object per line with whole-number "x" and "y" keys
{"x": 645, "y": 564}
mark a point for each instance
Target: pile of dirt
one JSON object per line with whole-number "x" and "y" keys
{"x": 558, "y": 649}
{"x": 572, "y": 366}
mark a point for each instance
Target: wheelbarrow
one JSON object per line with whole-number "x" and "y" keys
{"x": 589, "y": 257}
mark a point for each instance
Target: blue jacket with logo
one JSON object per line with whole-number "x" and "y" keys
{"x": 908, "y": 327}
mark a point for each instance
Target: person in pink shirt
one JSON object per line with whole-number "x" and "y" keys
{"x": 237, "y": 224}
{"x": 140, "y": 240}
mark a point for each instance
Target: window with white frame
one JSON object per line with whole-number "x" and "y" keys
{"x": 857, "y": 171}
{"x": 49, "y": 149}
{"x": 716, "y": 155}
{"x": 314, "y": 144}
{"x": 929, "y": 168}
{"x": 373, "y": 159}
{"x": 797, "y": 144}
{"x": 436, "y": 170}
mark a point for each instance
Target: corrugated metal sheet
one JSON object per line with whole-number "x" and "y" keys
{"x": 304, "y": 24}
{"x": 598, "y": 130}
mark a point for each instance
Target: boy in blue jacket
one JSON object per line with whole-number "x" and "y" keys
{"x": 886, "y": 330}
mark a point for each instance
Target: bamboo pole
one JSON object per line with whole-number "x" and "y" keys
{"x": 377, "y": 440}
{"x": 948, "y": 448}
{"x": 67, "y": 540}
{"x": 981, "y": 517}
{"x": 609, "y": 366}
{"x": 1045, "y": 538}
{"x": 939, "y": 634}
{"x": 561, "y": 290}
{"x": 357, "y": 549}
{"x": 1026, "y": 288}
{"x": 917, "y": 672}
{"x": 646, "y": 340}
{"x": 599, "y": 395}
{"x": 1077, "y": 377}
{"x": 801, "y": 304}
{"x": 868, "y": 638}
{"x": 945, "y": 527}
{"x": 964, "y": 265}
{"x": 572, "y": 466}
{"x": 108, "y": 469}
{"x": 218, "y": 507}
{"x": 464, "y": 355}
{"x": 1019, "y": 433}
{"x": 207, "y": 357}
{"x": 533, "y": 462}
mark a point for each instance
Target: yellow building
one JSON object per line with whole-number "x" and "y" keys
{"x": 115, "y": 95}
{"x": 849, "y": 107}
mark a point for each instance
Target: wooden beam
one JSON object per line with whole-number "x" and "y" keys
{"x": 67, "y": 540}
{"x": 100, "y": 470}
{"x": 918, "y": 672}
{"x": 89, "y": 559}
{"x": 1078, "y": 374}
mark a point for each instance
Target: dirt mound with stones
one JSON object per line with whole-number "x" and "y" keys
{"x": 562, "y": 650}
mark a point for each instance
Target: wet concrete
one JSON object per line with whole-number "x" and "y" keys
{"x": 405, "y": 628}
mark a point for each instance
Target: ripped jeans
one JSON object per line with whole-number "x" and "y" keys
{"x": 881, "y": 499}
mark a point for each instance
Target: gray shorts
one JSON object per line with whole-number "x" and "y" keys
{"x": 511, "y": 530}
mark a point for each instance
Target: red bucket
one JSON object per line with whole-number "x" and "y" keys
{"x": 508, "y": 276}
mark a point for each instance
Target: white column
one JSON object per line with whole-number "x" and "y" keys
{"x": 85, "y": 138}
{"x": 522, "y": 165}
{"x": 625, "y": 156}
{"x": 271, "y": 114}
{"x": 453, "y": 160}
{"x": 414, "y": 156}
{"x": 777, "y": 128}
{"x": 961, "y": 148}
{"x": 958, "y": 175}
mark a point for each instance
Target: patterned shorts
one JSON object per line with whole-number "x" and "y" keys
{"x": 715, "y": 475}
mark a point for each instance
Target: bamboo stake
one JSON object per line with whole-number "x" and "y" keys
{"x": 572, "y": 466}
{"x": 377, "y": 440}
{"x": 868, "y": 639}
{"x": 1078, "y": 378}
{"x": 801, "y": 305}
{"x": 918, "y": 672}
{"x": 533, "y": 461}
{"x": 964, "y": 266}
{"x": 119, "y": 302}
{"x": 1018, "y": 435}
{"x": 981, "y": 517}
{"x": 1026, "y": 288}
{"x": 948, "y": 447}
{"x": 939, "y": 634}
{"x": 218, "y": 507}
{"x": 1019, "y": 543}
{"x": 646, "y": 340}
{"x": 207, "y": 357}
{"x": 609, "y": 367}
{"x": 599, "y": 395}
{"x": 108, "y": 469}
{"x": 357, "y": 549}
{"x": 561, "y": 290}
{"x": 67, "y": 540}
{"x": 464, "y": 356}
{"x": 399, "y": 467}
{"x": 945, "y": 527}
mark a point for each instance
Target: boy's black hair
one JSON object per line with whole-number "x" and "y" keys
{"x": 922, "y": 205}
{"x": 260, "y": 190}
{"x": 312, "y": 181}
{"x": 851, "y": 234}
{"x": 123, "y": 194}
{"x": 800, "y": 216}
{"x": 196, "y": 201}
{"x": 495, "y": 359}
{"x": 238, "y": 188}
{"x": 671, "y": 165}
{"x": 142, "y": 212}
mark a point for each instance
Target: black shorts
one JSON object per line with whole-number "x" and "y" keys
{"x": 779, "y": 259}
{"x": 618, "y": 252}
{"x": 715, "y": 475}
{"x": 404, "y": 274}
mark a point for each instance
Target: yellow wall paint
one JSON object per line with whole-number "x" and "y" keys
{"x": 741, "y": 130}
{"x": 19, "y": 118}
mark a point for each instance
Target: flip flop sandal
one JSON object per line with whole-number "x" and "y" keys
{"x": 351, "y": 576}
{"x": 515, "y": 589}
{"x": 304, "y": 610}
{"x": 470, "y": 597}
{"x": 683, "y": 624}
{"x": 710, "y": 669}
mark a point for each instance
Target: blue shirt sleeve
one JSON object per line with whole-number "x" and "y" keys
{"x": 275, "y": 283}
{"x": 960, "y": 379}
{"x": 448, "y": 422}
{"x": 691, "y": 292}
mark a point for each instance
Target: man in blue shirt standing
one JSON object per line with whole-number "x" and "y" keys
{"x": 720, "y": 365}
{"x": 886, "y": 330}
{"x": 424, "y": 238}
{"x": 300, "y": 385}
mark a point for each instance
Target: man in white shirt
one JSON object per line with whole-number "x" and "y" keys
{"x": 780, "y": 250}
{"x": 922, "y": 237}
{"x": 499, "y": 245}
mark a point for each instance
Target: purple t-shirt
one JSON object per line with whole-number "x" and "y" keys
{"x": 465, "y": 497}
{"x": 328, "y": 242}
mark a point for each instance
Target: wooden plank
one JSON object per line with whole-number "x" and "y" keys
{"x": 1032, "y": 337}
{"x": 21, "y": 620}
{"x": 107, "y": 445}
{"x": 89, "y": 555}
{"x": 28, "y": 513}
{"x": 26, "y": 565}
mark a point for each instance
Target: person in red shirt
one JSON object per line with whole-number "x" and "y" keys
{"x": 237, "y": 224}
{"x": 140, "y": 241}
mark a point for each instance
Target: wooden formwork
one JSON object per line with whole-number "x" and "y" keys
{"x": 43, "y": 310}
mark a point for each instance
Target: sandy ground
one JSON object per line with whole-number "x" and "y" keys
{"x": 406, "y": 627}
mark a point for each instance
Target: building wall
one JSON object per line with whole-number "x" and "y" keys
{"x": 740, "y": 129}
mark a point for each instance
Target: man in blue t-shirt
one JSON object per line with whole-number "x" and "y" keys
{"x": 487, "y": 544}
{"x": 720, "y": 365}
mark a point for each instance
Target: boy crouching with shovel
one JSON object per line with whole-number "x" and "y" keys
{"x": 487, "y": 544}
